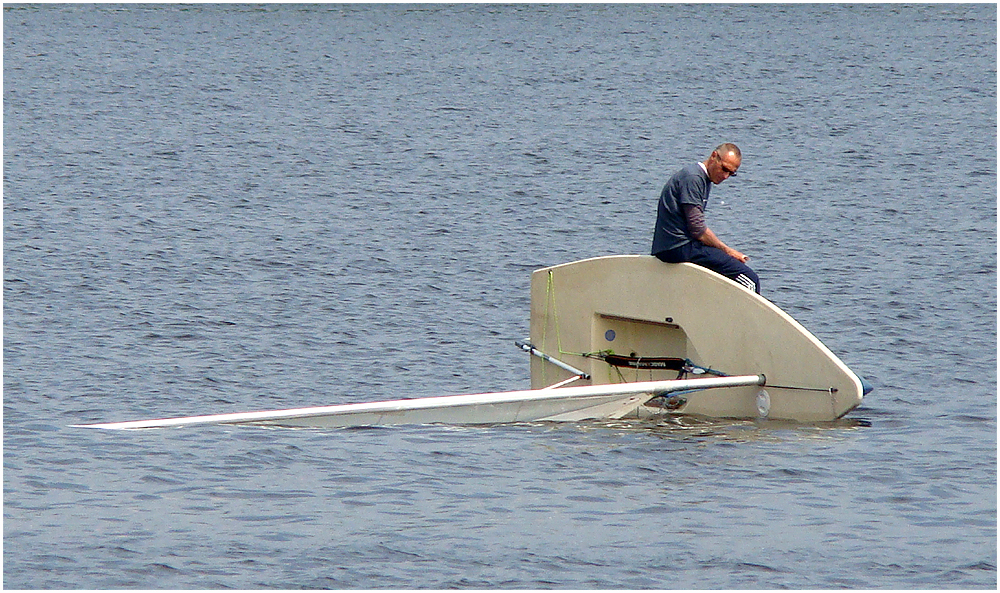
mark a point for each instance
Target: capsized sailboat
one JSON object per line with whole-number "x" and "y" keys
{"x": 652, "y": 339}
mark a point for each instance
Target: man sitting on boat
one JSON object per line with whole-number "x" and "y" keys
{"x": 681, "y": 234}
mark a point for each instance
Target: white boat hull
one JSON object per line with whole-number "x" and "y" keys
{"x": 640, "y": 306}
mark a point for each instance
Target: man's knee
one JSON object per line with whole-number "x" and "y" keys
{"x": 750, "y": 280}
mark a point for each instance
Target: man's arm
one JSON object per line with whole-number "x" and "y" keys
{"x": 709, "y": 238}
{"x": 701, "y": 232}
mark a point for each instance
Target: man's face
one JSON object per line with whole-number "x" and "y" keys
{"x": 722, "y": 166}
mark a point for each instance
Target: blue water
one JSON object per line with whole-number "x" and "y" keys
{"x": 220, "y": 208}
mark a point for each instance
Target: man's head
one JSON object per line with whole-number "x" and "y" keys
{"x": 723, "y": 162}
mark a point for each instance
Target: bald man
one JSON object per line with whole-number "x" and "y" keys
{"x": 681, "y": 234}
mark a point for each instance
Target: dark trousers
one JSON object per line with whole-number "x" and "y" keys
{"x": 713, "y": 259}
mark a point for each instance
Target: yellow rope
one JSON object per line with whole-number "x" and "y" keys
{"x": 549, "y": 298}
{"x": 555, "y": 316}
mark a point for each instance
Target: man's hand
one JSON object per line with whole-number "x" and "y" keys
{"x": 736, "y": 254}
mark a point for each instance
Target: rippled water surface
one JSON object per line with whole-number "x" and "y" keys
{"x": 220, "y": 208}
